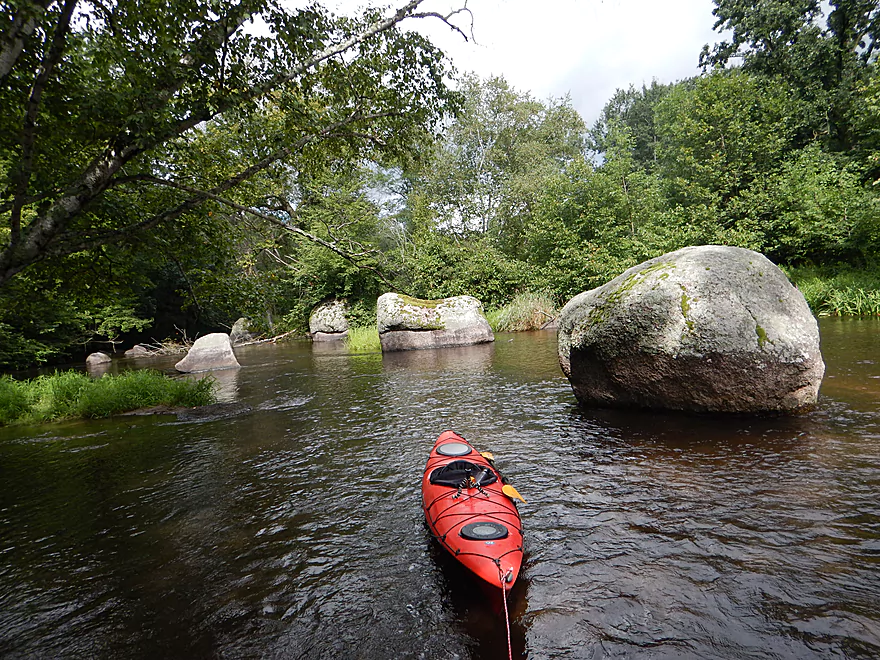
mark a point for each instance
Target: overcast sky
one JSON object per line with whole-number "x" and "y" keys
{"x": 586, "y": 48}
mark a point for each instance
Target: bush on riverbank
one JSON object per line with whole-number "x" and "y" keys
{"x": 527, "y": 311}
{"x": 72, "y": 394}
{"x": 363, "y": 339}
{"x": 846, "y": 293}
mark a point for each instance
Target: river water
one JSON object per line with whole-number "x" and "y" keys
{"x": 286, "y": 522}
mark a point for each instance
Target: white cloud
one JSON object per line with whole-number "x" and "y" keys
{"x": 587, "y": 48}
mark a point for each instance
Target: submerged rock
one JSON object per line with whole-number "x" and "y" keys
{"x": 406, "y": 323}
{"x": 213, "y": 412}
{"x": 212, "y": 351}
{"x": 328, "y": 321}
{"x": 708, "y": 328}
{"x": 208, "y": 413}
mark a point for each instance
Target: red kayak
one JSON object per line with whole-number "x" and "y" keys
{"x": 469, "y": 514}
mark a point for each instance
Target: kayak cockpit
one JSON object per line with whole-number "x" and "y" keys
{"x": 460, "y": 473}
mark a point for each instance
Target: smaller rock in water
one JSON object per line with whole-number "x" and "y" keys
{"x": 212, "y": 351}
{"x": 328, "y": 321}
{"x": 96, "y": 359}
{"x": 406, "y": 323}
{"x": 138, "y": 351}
{"x": 241, "y": 331}
{"x": 98, "y": 364}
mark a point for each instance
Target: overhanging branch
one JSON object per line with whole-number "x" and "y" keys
{"x": 70, "y": 244}
{"x": 447, "y": 19}
{"x": 45, "y": 235}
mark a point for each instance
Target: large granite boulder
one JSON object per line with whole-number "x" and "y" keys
{"x": 328, "y": 321}
{"x": 708, "y": 328}
{"x": 407, "y": 323}
{"x": 212, "y": 351}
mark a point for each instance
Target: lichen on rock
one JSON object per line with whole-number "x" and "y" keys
{"x": 329, "y": 321}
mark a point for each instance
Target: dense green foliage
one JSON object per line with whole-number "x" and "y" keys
{"x": 71, "y": 394}
{"x": 258, "y": 177}
{"x": 779, "y": 155}
{"x": 152, "y": 153}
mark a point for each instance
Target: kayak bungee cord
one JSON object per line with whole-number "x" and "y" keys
{"x": 468, "y": 517}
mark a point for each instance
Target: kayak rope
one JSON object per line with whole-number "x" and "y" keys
{"x": 502, "y": 579}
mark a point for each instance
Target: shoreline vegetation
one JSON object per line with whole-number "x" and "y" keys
{"x": 828, "y": 293}
{"x": 74, "y": 395}
{"x": 363, "y": 339}
{"x": 527, "y": 311}
{"x": 844, "y": 293}
{"x": 435, "y": 184}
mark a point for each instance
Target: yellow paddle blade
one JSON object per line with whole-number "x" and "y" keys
{"x": 512, "y": 493}
{"x": 488, "y": 455}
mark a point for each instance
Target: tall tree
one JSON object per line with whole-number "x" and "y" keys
{"x": 96, "y": 96}
{"x": 821, "y": 51}
{"x": 718, "y": 133}
{"x": 489, "y": 167}
{"x": 633, "y": 108}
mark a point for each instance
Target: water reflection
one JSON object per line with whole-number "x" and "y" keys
{"x": 470, "y": 359}
{"x": 329, "y": 348}
{"x": 99, "y": 369}
{"x": 227, "y": 384}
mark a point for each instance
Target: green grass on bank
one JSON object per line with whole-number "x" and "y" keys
{"x": 363, "y": 340}
{"x": 847, "y": 293}
{"x": 70, "y": 394}
{"x": 527, "y": 311}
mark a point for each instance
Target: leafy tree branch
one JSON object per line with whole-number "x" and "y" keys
{"x": 208, "y": 68}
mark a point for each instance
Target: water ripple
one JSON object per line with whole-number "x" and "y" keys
{"x": 288, "y": 523}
